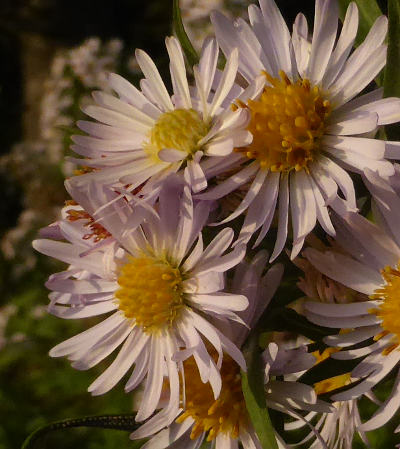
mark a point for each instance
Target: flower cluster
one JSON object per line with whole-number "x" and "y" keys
{"x": 275, "y": 144}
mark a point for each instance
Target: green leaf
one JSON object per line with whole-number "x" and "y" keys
{"x": 392, "y": 76}
{"x": 183, "y": 38}
{"x": 369, "y": 11}
{"x": 124, "y": 422}
{"x": 254, "y": 394}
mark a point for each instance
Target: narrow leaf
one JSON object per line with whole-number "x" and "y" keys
{"x": 369, "y": 12}
{"x": 124, "y": 422}
{"x": 254, "y": 394}
{"x": 392, "y": 76}
{"x": 183, "y": 38}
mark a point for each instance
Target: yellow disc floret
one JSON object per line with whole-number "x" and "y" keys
{"x": 181, "y": 129}
{"x": 227, "y": 414}
{"x": 389, "y": 309}
{"x": 287, "y": 123}
{"x": 150, "y": 292}
{"x": 332, "y": 383}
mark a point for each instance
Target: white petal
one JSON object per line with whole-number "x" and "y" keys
{"x": 154, "y": 79}
{"x": 324, "y": 36}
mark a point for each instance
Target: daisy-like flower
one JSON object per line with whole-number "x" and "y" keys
{"x": 338, "y": 427}
{"x": 225, "y": 421}
{"x": 161, "y": 285}
{"x": 144, "y": 135}
{"x": 308, "y": 128}
{"x": 370, "y": 267}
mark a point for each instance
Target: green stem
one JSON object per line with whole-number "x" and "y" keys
{"x": 125, "y": 422}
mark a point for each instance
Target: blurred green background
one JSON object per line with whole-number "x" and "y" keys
{"x": 35, "y": 389}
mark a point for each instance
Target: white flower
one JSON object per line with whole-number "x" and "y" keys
{"x": 307, "y": 127}
{"x": 144, "y": 135}
{"x": 371, "y": 267}
{"x": 225, "y": 421}
{"x": 160, "y": 284}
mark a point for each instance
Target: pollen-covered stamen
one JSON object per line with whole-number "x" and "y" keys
{"x": 98, "y": 232}
{"x": 150, "y": 292}
{"x": 389, "y": 309}
{"x": 181, "y": 129}
{"x": 227, "y": 414}
{"x": 287, "y": 122}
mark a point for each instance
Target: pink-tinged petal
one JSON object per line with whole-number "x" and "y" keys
{"x": 226, "y": 82}
{"x": 138, "y": 372}
{"x": 344, "y": 322}
{"x": 342, "y": 179}
{"x": 357, "y": 122}
{"x": 229, "y": 39}
{"x": 261, "y": 210}
{"x": 353, "y": 337}
{"x": 392, "y": 150}
{"x": 112, "y": 103}
{"x": 362, "y": 66}
{"x": 324, "y": 36}
{"x": 168, "y": 436}
{"x": 102, "y": 348}
{"x": 301, "y": 45}
{"x": 73, "y": 313}
{"x": 207, "y": 330}
{"x": 342, "y": 310}
{"x": 208, "y": 64}
{"x": 171, "y": 155}
{"x": 283, "y": 217}
{"x": 386, "y": 411}
{"x": 198, "y": 181}
{"x": 116, "y": 119}
{"x": 230, "y": 184}
{"x": 344, "y": 45}
{"x": 345, "y": 270}
{"x": 154, "y": 79}
{"x": 387, "y": 201}
{"x": 130, "y": 94}
{"x": 322, "y": 211}
{"x": 222, "y": 300}
{"x": 124, "y": 360}
{"x": 178, "y": 73}
{"x": 249, "y": 197}
{"x": 223, "y": 263}
{"x": 81, "y": 286}
{"x": 69, "y": 254}
{"x": 388, "y": 363}
{"x": 88, "y": 337}
{"x": 280, "y": 42}
{"x": 303, "y": 209}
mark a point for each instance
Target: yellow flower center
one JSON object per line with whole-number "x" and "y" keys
{"x": 181, "y": 129}
{"x": 287, "y": 122}
{"x": 389, "y": 309}
{"x": 227, "y": 414}
{"x": 333, "y": 383}
{"x": 150, "y": 292}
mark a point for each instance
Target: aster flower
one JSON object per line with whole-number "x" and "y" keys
{"x": 144, "y": 135}
{"x": 160, "y": 284}
{"x": 225, "y": 421}
{"x": 308, "y": 128}
{"x": 338, "y": 427}
{"x": 370, "y": 267}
